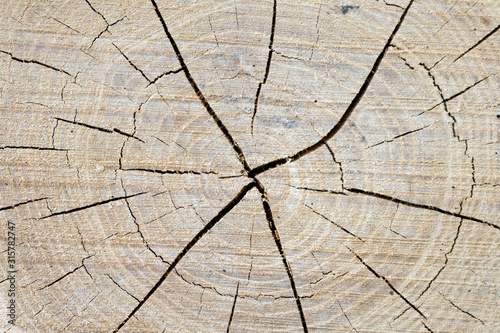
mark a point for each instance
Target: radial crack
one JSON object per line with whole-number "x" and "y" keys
{"x": 36, "y": 62}
{"x": 122, "y": 288}
{"x": 347, "y": 113}
{"x": 22, "y": 203}
{"x": 445, "y": 100}
{"x": 479, "y": 42}
{"x": 422, "y": 206}
{"x": 463, "y": 311}
{"x": 198, "y": 92}
{"x": 316, "y": 190}
{"x": 445, "y": 260}
{"x": 69, "y": 273}
{"x": 234, "y": 306}
{"x": 277, "y": 240}
{"x": 188, "y": 247}
{"x": 174, "y": 172}
{"x": 268, "y": 65}
{"x": 334, "y": 223}
{"x": 398, "y": 136}
{"x": 73, "y": 210}
{"x": 101, "y": 129}
{"x": 383, "y": 278}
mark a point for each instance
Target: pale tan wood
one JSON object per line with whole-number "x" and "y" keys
{"x": 392, "y": 227}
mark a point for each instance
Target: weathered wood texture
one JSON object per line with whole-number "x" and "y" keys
{"x": 123, "y": 138}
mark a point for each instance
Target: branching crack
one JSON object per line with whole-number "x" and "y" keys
{"x": 347, "y": 113}
{"x": 188, "y": 247}
{"x": 69, "y": 273}
{"x": 150, "y": 82}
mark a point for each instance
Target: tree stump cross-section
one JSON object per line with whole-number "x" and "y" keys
{"x": 232, "y": 166}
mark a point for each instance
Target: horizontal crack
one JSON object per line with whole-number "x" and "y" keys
{"x": 417, "y": 205}
{"x": 101, "y": 129}
{"x": 174, "y": 172}
{"x": 22, "y": 203}
{"x": 35, "y": 62}
{"x": 73, "y": 210}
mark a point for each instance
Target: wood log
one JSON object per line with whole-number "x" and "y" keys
{"x": 250, "y": 166}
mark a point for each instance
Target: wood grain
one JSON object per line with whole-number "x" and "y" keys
{"x": 250, "y": 166}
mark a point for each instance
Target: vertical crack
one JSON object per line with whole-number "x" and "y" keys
{"x": 277, "y": 240}
{"x": 198, "y": 92}
{"x": 234, "y": 306}
{"x": 268, "y": 65}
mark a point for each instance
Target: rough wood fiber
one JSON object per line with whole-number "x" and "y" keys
{"x": 251, "y": 166}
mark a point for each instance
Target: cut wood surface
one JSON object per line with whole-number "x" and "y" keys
{"x": 250, "y": 166}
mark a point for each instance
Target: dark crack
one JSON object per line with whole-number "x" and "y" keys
{"x": 398, "y": 136}
{"x": 22, "y": 203}
{"x": 30, "y": 61}
{"x": 462, "y": 310}
{"x": 268, "y": 66}
{"x": 347, "y": 113}
{"x": 101, "y": 129}
{"x": 69, "y": 273}
{"x": 277, "y": 240}
{"x": 422, "y": 206}
{"x": 188, "y": 247}
{"x": 450, "y": 251}
{"x": 32, "y": 148}
{"x": 198, "y": 92}
{"x": 172, "y": 172}
{"x": 111, "y": 278}
{"x": 478, "y": 43}
{"x": 346, "y": 317}
{"x": 443, "y": 99}
{"x": 234, "y": 306}
{"x": 383, "y": 278}
{"x": 100, "y": 203}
